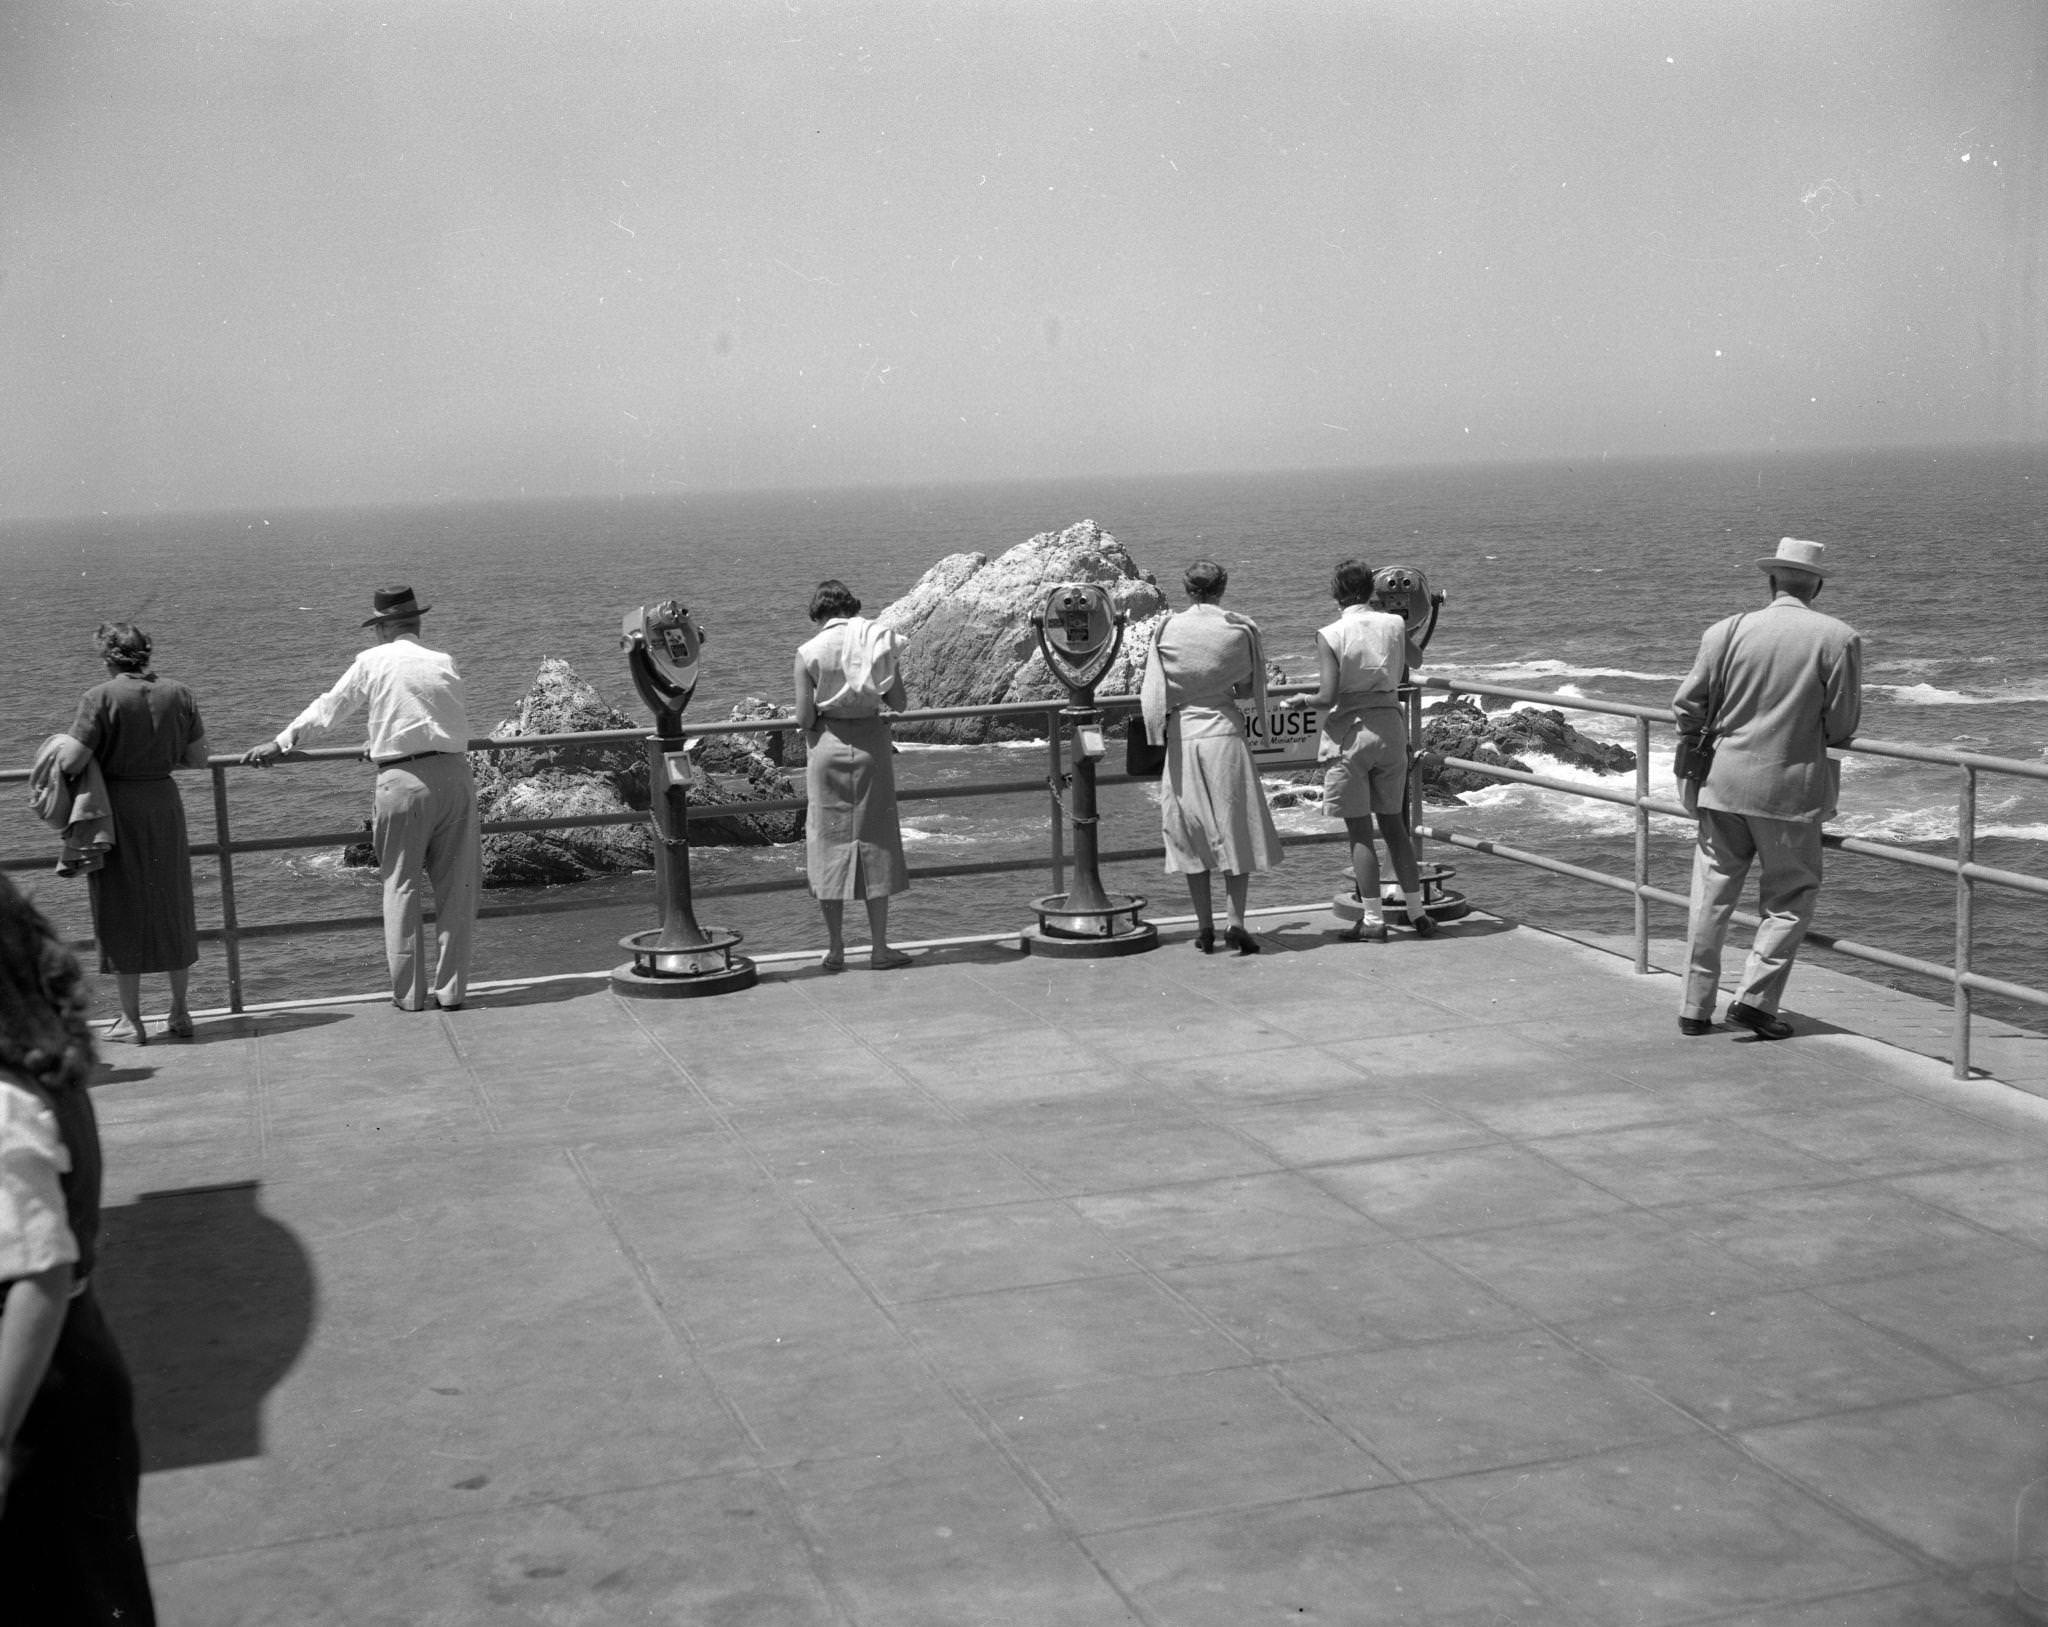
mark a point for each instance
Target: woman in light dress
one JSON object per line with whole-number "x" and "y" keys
{"x": 847, "y": 679}
{"x": 1363, "y": 657}
{"x": 1212, "y": 808}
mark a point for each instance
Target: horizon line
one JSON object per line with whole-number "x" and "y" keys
{"x": 869, "y": 488}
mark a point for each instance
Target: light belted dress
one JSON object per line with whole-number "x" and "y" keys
{"x": 853, "y": 843}
{"x": 1212, "y": 808}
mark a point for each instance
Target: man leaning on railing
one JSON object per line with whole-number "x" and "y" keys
{"x": 424, "y": 818}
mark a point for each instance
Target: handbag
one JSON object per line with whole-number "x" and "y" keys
{"x": 1142, "y": 759}
{"x": 1693, "y": 760}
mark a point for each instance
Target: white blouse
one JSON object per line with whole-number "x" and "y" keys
{"x": 35, "y": 1232}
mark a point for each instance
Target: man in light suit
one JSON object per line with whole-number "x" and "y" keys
{"x": 1775, "y": 687}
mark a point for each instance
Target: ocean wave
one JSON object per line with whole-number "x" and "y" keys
{"x": 1509, "y": 671}
{"x": 1926, "y": 694}
{"x": 326, "y": 865}
{"x": 939, "y": 838}
{"x": 1927, "y": 822}
{"x": 936, "y": 747}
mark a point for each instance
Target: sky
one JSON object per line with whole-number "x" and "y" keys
{"x": 318, "y": 252}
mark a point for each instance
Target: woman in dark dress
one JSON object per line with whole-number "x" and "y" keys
{"x": 141, "y": 727}
{"x": 70, "y": 1466}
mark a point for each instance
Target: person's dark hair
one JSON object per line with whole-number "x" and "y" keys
{"x": 1205, "y": 578}
{"x": 833, "y": 598}
{"x": 123, "y": 646}
{"x": 1351, "y": 582}
{"x": 43, "y": 1032}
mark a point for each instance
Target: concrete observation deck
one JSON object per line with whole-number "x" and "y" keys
{"x": 1434, "y": 1282}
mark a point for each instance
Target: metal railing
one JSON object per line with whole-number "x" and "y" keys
{"x": 233, "y": 933}
{"x": 1968, "y": 875}
{"x": 1962, "y": 981}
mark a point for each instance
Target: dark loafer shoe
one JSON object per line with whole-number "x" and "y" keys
{"x": 1758, "y": 1022}
{"x": 1693, "y": 1027}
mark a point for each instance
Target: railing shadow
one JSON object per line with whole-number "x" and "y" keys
{"x": 212, "y": 1302}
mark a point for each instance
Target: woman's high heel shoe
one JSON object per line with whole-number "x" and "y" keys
{"x": 1242, "y": 941}
{"x": 1205, "y": 941}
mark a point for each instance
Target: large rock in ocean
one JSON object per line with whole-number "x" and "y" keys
{"x": 969, "y": 639}
{"x": 1455, "y": 727}
{"x": 610, "y": 778}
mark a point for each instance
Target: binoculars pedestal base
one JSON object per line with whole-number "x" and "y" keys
{"x": 630, "y": 980}
{"x": 1122, "y": 932}
{"x": 1038, "y": 941}
{"x": 661, "y": 972}
{"x": 1441, "y": 903}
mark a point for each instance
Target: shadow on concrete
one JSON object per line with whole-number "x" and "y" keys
{"x": 957, "y": 954}
{"x": 212, "y": 1301}
{"x": 535, "y": 994}
{"x": 288, "y": 1022}
{"x": 108, "y": 1074}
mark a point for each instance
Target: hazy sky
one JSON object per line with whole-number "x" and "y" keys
{"x": 304, "y": 253}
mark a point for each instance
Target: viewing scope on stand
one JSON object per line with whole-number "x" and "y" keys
{"x": 678, "y": 959}
{"x": 1404, "y": 591}
{"x": 1080, "y": 636}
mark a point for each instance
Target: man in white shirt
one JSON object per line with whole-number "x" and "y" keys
{"x": 424, "y": 818}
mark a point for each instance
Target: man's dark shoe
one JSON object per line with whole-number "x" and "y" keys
{"x": 1759, "y": 1022}
{"x": 1693, "y": 1027}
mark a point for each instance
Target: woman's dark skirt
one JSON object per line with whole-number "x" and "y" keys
{"x": 69, "y": 1552}
{"x": 142, "y": 911}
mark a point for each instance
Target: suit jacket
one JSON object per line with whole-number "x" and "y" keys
{"x": 69, "y": 794}
{"x": 1794, "y": 688}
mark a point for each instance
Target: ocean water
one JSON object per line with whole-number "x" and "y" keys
{"x": 1592, "y": 578}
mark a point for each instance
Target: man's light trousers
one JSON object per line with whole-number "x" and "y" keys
{"x": 424, "y": 825}
{"x": 1788, "y": 852}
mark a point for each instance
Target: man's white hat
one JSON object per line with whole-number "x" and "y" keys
{"x": 1805, "y": 556}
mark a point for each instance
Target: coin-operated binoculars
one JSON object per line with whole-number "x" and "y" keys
{"x": 1080, "y": 636}
{"x": 679, "y": 958}
{"x": 1404, "y": 591}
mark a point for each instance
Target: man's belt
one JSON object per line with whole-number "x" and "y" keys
{"x": 393, "y": 762}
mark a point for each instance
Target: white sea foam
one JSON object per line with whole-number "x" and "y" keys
{"x": 937, "y": 747}
{"x": 1509, "y": 672}
{"x": 1925, "y": 694}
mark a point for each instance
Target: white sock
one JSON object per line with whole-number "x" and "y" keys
{"x": 1413, "y": 899}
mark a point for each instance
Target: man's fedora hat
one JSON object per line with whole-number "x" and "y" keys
{"x": 398, "y": 604}
{"x": 1811, "y": 557}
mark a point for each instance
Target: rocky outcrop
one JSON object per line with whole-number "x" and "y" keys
{"x": 611, "y": 777}
{"x": 968, "y": 635}
{"x": 1455, "y": 727}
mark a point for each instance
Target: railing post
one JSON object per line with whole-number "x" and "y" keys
{"x": 1642, "y": 844}
{"x": 229, "y": 934}
{"x": 1966, "y": 850}
{"x": 1055, "y": 766}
